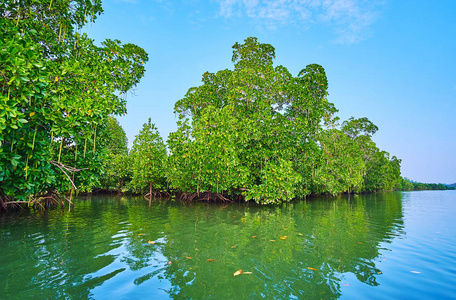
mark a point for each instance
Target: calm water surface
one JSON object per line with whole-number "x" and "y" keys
{"x": 381, "y": 246}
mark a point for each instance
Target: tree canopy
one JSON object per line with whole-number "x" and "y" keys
{"x": 259, "y": 132}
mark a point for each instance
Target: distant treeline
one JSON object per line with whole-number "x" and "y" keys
{"x": 408, "y": 185}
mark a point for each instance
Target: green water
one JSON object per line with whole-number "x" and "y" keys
{"x": 381, "y": 246}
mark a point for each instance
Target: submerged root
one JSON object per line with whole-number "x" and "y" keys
{"x": 41, "y": 202}
{"x": 209, "y": 197}
{"x": 157, "y": 194}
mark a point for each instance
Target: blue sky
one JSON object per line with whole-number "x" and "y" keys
{"x": 392, "y": 61}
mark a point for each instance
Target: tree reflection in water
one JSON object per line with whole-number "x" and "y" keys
{"x": 100, "y": 249}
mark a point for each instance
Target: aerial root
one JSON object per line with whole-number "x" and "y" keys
{"x": 205, "y": 196}
{"x": 157, "y": 194}
{"x": 36, "y": 202}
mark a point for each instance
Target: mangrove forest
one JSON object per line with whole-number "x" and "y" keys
{"x": 254, "y": 132}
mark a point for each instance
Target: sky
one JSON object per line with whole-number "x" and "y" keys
{"x": 392, "y": 61}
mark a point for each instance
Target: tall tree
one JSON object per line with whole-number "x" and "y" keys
{"x": 382, "y": 173}
{"x": 342, "y": 167}
{"x": 245, "y": 132}
{"x": 148, "y": 156}
{"x": 116, "y": 163}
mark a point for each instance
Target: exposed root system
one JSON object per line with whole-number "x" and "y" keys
{"x": 210, "y": 197}
{"x": 157, "y": 194}
{"x": 41, "y": 202}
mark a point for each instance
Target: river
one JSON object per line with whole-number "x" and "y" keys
{"x": 399, "y": 245}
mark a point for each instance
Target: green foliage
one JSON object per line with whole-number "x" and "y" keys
{"x": 56, "y": 90}
{"x": 381, "y": 173}
{"x": 148, "y": 159}
{"x": 407, "y": 185}
{"x": 356, "y": 127}
{"x": 262, "y": 133}
{"x": 116, "y": 142}
{"x": 256, "y": 131}
{"x": 342, "y": 167}
{"x": 116, "y": 162}
{"x": 244, "y": 131}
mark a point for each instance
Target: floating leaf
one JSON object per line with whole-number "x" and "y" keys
{"x": 272, "y": 240}
{"x": 239, "y": 272}
{"x": 283, "y": 237}
{"x": 313, "y": 269}
{"x": 254, "y": 236}
{"x": 140, "y": 234}
{"x": 188, "y": 257}
{"x": 151, "y": 242}
{"x": 246, "y": 272}
{"x": 233, "y": 246}
{"x": 211, "y": 260}
{"x": 299, "y": 233}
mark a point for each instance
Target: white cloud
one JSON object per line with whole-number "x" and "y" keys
{"x": 350, "y": 19}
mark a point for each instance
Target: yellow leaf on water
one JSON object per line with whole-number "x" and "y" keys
{"x": 253, "y": 236}
{"x": 188, "y": 257}
{"x": 140, "y": 234}
{"x": 239, "y": 272}
{"x": 313, "y": 269}
{"x": 151, "y": 242}
{"x": 246, "y": 272}
{"x": 299, "y": 233}
{"x": 233, "y": 246}
{"x": 210, "y": 259}
{"x": 283, "y": 237}
{"x": 272, "y": 240}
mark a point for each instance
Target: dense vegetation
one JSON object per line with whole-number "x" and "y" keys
{"x": 261, "y": 133}
{"x": 408, "y": 185}
{"x": 256, "y": 132}
{"x": 57, "y": 89}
